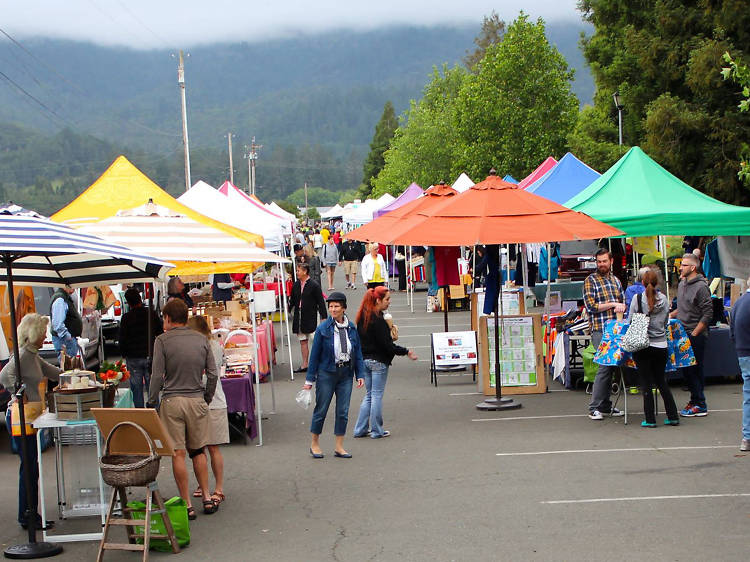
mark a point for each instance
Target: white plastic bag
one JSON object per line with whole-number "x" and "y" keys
{"x": 304, "y": 398}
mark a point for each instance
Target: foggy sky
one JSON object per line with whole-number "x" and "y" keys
{"x": 167, "y": 24}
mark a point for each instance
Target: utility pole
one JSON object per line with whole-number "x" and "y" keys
{"x": 186, "y": 144}
{"x": 251, "y": 155}
{"x": 231, "y": 167}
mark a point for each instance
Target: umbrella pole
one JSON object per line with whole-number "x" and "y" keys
{"x": 498, "y": 402}
{"x": 445, "y": 306}
{"x": 256, "y": 366}
{"x": 474, "y": 269}
{"x": 32, "y": 549}
{"x": 524, "y": 272}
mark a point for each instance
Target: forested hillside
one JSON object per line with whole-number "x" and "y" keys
{"x": 312, "y": 102}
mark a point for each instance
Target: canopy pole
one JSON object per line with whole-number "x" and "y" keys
{"x": 662, "y": 243}
{"x": 286, "y": 317}
{"x": 548, "y": 324}
{"x": 524, "y": 271}
{"x": 256, "y": 366}
{"x": 498, "y": 402}
{"x": 410, "y": 284}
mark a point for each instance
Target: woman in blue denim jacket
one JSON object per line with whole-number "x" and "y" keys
{"x": 335, "y": 360}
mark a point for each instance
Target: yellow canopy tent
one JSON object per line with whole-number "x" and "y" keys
{"x": 123, "y": 186}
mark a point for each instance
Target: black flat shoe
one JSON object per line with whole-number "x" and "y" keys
{"x": 300, "y": 370}
{"x": 342, "y": 455}
{"x": 316, "y": 455}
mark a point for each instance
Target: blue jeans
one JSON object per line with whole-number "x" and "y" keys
{"x": 71, "y": 345}
{"x": 371, "y": 411}
{"x": 140, "y": 378}
{"x": 33, "y": 475}
{"x": 745, "y": 367}
{"x": 328, "y": 384}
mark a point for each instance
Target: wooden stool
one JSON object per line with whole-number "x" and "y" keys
{"x": 152, "y": 495}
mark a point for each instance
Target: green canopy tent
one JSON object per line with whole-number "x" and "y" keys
{"x": 641, "y": 198}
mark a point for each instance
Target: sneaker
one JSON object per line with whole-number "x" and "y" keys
{"x": 694, "y": 411}
{"x": 596, "y": 415}
{"x": 671, "y": 422}
{"x": 644, "y": 423}
{"x": 615, "y": 413}
{"x": 745, "y": 445}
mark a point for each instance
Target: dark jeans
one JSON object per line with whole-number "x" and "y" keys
{"x": 328, "y": 384}
{"x": 401, "y": 266}
{"x": 694, "y": 375}
{"x": 33, "y": 475}
{"x": 140, "y": 378}
{"x": 651, "y": 363}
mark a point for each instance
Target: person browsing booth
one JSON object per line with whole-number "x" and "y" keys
{"x": 181, "y": 356}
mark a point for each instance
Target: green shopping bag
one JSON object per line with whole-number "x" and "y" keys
{"x": 177, "y": 513}
{"x": 589, "y": 367}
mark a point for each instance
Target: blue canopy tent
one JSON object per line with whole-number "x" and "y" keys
{"x": 564, "y": 181}
{"x": 510, "y": 179}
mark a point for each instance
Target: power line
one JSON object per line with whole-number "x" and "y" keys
{"x": 143, "y": 24}
{"x": 40, "y": 61}
{"x": 10, "y": 80}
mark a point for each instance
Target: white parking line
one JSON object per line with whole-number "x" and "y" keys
{"x": 625, "y": 450}
{"x": 646, "y": 498}
{"x": 517, "y": 418}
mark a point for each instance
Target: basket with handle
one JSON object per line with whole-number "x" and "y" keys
{"x": 122, "y": 470}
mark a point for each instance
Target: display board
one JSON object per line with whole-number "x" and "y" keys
{"x": 521, "y": 363}
{"x": 454, "y": 348}
{"x": 513, "y": 303}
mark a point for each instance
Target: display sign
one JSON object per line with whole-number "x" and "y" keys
{"x": 521, "y": 363}
{"x": 454, "y": 348}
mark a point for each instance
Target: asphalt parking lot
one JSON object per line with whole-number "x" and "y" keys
{"x": 452, "y": 483}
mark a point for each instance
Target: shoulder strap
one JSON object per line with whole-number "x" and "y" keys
{"x": 640, "y": 303}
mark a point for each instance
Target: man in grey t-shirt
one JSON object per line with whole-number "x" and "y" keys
{"x": 181, "y": 356}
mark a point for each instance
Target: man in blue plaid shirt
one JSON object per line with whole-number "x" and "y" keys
{"x": 602, "y": 295}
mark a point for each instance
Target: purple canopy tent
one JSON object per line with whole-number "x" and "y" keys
{"x": 409, "y": 194}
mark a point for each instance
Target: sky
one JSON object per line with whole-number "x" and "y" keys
{"x": 147, "y": 24}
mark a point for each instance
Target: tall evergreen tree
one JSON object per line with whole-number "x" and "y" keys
{"x": 384, "y": 131}
{"x": 493, "y": 29}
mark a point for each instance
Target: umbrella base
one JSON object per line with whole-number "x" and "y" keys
{"x": 493, "y": 404}
{"x": 33, "y": 550}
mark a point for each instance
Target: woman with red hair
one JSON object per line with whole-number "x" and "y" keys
{"x": 378, "y": 351}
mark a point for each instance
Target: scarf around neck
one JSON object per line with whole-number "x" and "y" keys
{"x": 341, "y": 344}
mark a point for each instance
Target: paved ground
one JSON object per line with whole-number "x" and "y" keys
{"x": 452, "y": 483}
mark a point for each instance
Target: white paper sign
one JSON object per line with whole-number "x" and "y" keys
{"x": 454, "y": 348}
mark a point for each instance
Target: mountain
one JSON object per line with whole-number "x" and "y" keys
{"x": 311, "y": 101}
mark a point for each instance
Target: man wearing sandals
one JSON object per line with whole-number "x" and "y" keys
{"x": 181, "y": 356}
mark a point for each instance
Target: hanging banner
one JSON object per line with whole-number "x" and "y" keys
{"x": 734, "y": 255}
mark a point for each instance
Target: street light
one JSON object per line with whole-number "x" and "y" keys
{"x": 620, "y": 107}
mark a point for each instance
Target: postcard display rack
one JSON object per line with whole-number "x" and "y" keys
{"x": 521, "y": 360}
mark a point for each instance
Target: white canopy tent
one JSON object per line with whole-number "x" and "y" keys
{"x": 206, "y": 200}
{"x": 362, "y": 213}
{"x": 334, "y": 212}
{"x": 462, "y": 183}
{"x": 162, "y": 232}
{"x": 274, "y": 208}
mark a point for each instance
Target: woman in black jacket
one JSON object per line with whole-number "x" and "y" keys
{"x": 378, "y": 351}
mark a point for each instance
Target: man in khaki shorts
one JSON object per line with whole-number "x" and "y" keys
{"x": 181, "y": 356}
{"x": 351, "y": 254}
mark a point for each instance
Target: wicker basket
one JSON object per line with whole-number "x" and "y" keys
{"x": 129, "y": 470}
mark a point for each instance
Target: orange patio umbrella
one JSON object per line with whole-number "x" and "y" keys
{"x": 496, "y": 212}
{"x": 385, "y": 227}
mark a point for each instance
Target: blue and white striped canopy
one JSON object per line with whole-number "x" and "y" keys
{"x": 45, "y": 253}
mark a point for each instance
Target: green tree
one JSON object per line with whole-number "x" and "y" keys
{"x": 313, "y": 213}
{"x": 662, "y": 57}
{"x": 740, "y": 73}
{"x": 289, "y": 207}
{"x": 316, "y": 197}
{"x": 493, "y": 29}
{"x": 422, "y": 149}
{"x": 518, "y": 108}
{"x": 384, "y": 131}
